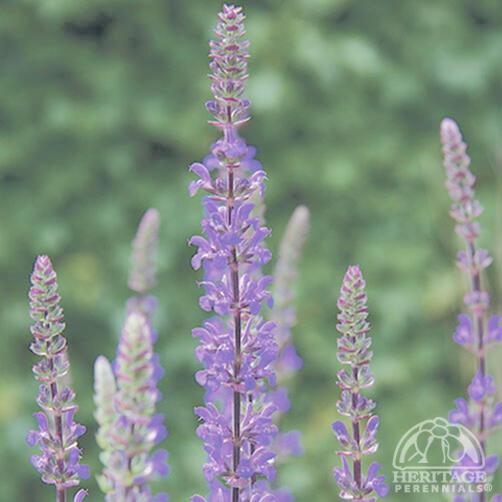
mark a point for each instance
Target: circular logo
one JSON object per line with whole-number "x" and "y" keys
{"x": 438, "y": 445}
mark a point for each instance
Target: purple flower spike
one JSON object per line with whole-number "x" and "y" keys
{"x": 475, "y": 332}
{"x": 133, "y": 429}
{"x": 285, "y": 275}
{"x": 237, "y": 347}
{"x": 126, "y": 392}
{"x": 57, "y": 434}
{"x": 283, "y": 313}
{"x": 143, "y": 273}
{"x": 354, "y": 350}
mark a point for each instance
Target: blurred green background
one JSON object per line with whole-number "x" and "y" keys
{"x": 101, "y": 111}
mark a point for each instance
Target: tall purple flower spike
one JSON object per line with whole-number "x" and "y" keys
{"x": 236, "y": 346}
{"x": 136, "y": 429}
{"x": 475, "y": 332}
{"x": 354, "y": 350}
{"x": 129, "y": 429}
{"x": 143, "y": 275}
{"x": 283, "y": 313}
{"x": 285, "y": 275}
{"x": 126, "y": 394}
{"x": 57, "y": 434}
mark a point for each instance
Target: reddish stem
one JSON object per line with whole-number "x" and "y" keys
{"x": 58, "y": 423}
{"x": 478, "y": 323}
{"x": 357, "y": 434}
{"x": 58, "y": 426}
{"x": 234, "y": 277}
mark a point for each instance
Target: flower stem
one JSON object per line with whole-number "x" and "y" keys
{"x": 130, "y": 460}
{"x": 60, "y": 491}
{"x": 357, "y": 433}
{"x": 481, "y": 359}
{"x": 58, "y": 425}
{"x": 234, "y": 277}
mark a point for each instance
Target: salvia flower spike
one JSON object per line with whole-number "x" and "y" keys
{"x": 57, "y": 434}
{"x": 283, "y": 314}
{"x": 129, "y": 429}
{"x": 285, "y": 276}
{"x": 475, "y": 332}
{"x": 143, "y": 275}
{"x": 136, "y": 430}
{"x": 236, "y": 346}
{"x": 126, "y": 392}
{"x": 354, "y": 351}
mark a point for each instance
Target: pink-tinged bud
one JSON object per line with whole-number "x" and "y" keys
{"x": 460, "y": 180}
{"x": 229, "y": 54}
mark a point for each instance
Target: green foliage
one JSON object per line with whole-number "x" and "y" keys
{"x": 101, "y": 111}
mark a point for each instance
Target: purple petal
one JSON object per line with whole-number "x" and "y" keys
{"x": 80, "y": 495}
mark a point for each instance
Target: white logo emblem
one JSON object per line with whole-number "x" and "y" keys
{"x": 437, "y": 445}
